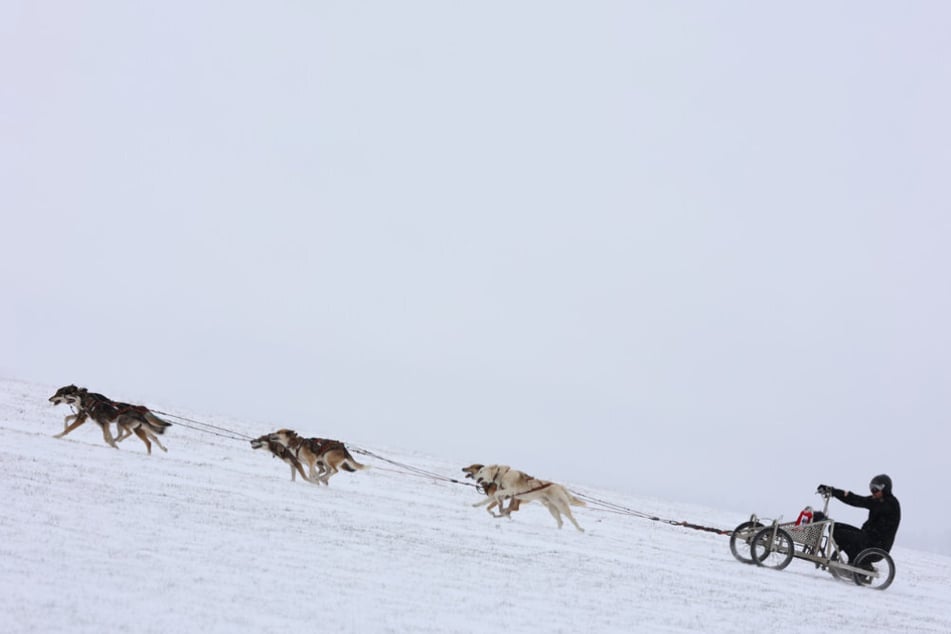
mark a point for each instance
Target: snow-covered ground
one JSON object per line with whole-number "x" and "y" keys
{"x": 213, "y": 537}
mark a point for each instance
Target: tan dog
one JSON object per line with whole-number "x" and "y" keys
{"x": 490, "y": 489}
{"x": 501, "y": 481}
{"x": 324, "y": 458}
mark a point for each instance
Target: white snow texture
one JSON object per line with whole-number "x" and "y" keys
{"x": 214, "y": 537}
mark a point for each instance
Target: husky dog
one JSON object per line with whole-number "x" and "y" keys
{"x": 280, "y": 451}
{"x": 129, "y": 419}
{"x": 501, "y": 481}
{"x": 490, "y": 489}
{"x": 323, "y": 457}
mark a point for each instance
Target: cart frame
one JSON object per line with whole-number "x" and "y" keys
{"x": 774, "y": 544}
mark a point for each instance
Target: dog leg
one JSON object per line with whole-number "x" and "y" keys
{"x": 69, "y": 418}
{"x": 507, "y": 511}
{"x": 498, "y": 503}
{"x": 325, "y": 472}
{"x": 559, "y": 505}
{"x": 80, "y": 419}
{"x": 296, "y": 468}
{"x": 107, "y": 436}
{"x": 331, "y": 471}
{"x": 572, "y": 518}
{"x": 161, "y": 446}
{"x": 564, "y": 501}
{"x": 123, "y": 433}
{"x": 503, "y": 511}
{"x": 144, "y": 438}
{"x": 554, "y": 512}
{"x": 156, "y": 440}
{"x": 317, "y": 469}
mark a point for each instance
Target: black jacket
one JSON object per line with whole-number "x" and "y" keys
{"x": 884, "y": 515}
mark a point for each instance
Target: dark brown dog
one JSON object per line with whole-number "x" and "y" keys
{"x": 129, "y": 419}
{"x": 324, "y": 458}
{"x": 280, "y": 451}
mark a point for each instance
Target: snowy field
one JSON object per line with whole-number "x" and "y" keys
{"x": 213, "y": 537}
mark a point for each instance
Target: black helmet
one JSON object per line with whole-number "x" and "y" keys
{"x": 881, "y": 482}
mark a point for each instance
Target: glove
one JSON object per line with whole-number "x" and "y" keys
{"x": 824, "y": 489}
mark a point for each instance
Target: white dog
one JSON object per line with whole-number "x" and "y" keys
{"x": 501, "y": 482}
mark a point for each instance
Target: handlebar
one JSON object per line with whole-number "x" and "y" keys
{"x": 826, "y": 494}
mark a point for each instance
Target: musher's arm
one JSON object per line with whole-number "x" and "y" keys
{"x": 847, "y": 497}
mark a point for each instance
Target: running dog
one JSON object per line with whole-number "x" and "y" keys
{"x": 278, "y": 450}
{"x": 490, "y": 489}
{"x": 129, "y": 419}
{"x": 323, "y": 457}
{"x": 501, "y": 481}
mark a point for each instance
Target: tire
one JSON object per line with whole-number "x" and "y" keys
{"x": 772, "y": 551}
{"x": 882, "y": 563}
{"x": 841, "y": 575}
{"x": 740, "y": 540}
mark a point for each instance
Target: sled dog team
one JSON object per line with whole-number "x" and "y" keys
{"x": 324, "y": 457}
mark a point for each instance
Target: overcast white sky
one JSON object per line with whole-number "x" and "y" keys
{"x": 696, "y": 250}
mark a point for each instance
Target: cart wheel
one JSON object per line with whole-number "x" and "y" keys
{"x": 772, "y": 551}
{"x": 881, "y": 563}
{"x": 841, "y": 575}
{"x": 740, "y": 540}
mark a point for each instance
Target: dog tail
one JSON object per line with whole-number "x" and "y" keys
{"x": 157, "y": 424}
{"x": 573, "y": 500}
{"x": 349, "y": 464}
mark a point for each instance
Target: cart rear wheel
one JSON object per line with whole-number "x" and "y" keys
{"x": 881, "y": 563}
{"x": 841, "y": 575}
{"x": 740, "y": 540}
{"x": 772, "y": 548}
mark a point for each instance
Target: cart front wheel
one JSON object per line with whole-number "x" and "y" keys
{"x": 772, "y": 548}
{"x": 740, "y": 540}
{"x": 881, "y": 568}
